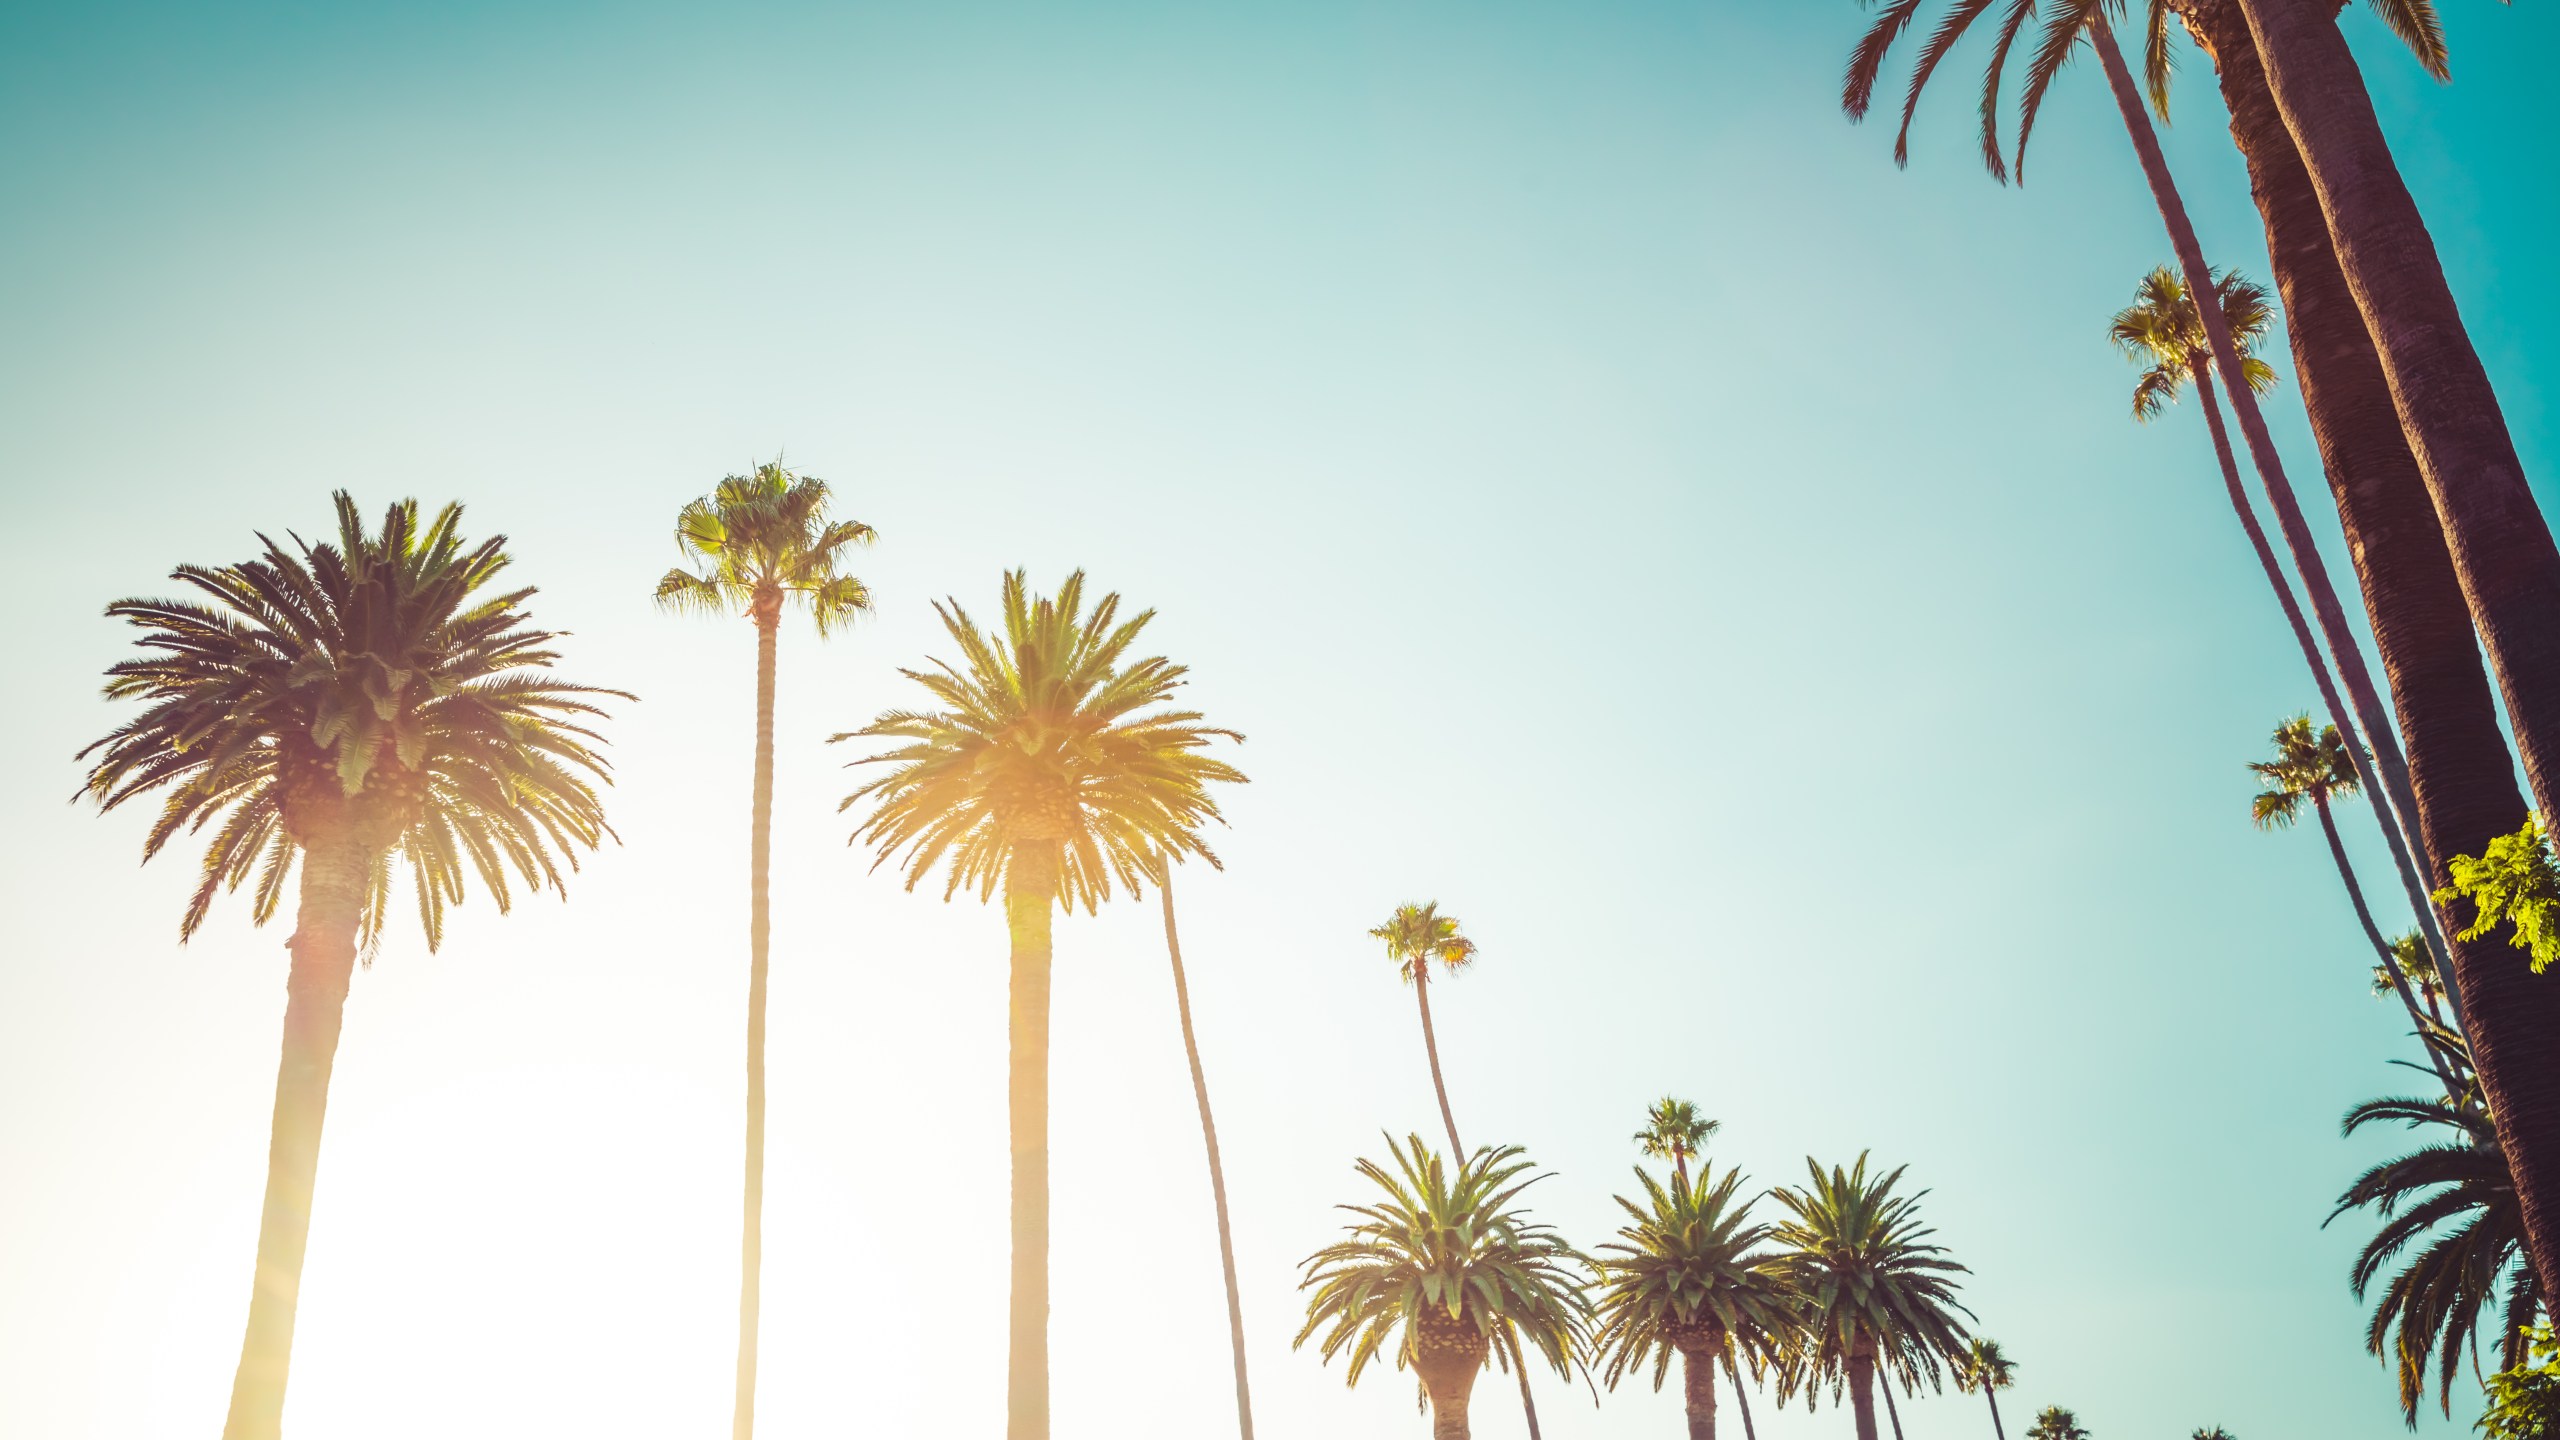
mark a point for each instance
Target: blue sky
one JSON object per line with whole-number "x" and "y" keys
{"x": 1614, "y": 501}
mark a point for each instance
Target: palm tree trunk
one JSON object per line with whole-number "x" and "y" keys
{"x": 759, "y": 939}
{"x": 1431, "y": 1048}
{"x": 1520, "y": 1368}
{"x": 1449, "y": 1405}
{"x": 2384, "y": 763}
{"x": 1741, "y": 1397}
{"x": 1209, "y": 1136}
{"x": 1030, "y": 893}
{"x": 1890, "y": 1413}
{"x": 1698, "y": 1388}
{"x": 336, "y": 874}
{"x": 2381, "y": 947}
{"x": 2412, "y": 598}
{"x": 2502, "y": 547}
{"x": 1996, "y": 1432}
{"x": 1862, "y": 1391}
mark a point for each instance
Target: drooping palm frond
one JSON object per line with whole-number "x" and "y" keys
{"x": 1860, "y": 1266}
{"x": 765, "y": 538}
{"x": 1419, "y": 936}
{"x": 1444, "y": 1245}
{"x": 1046, "y": 748}
{"x": 1687, "y": 1275}
{"x": 372, "y": 691}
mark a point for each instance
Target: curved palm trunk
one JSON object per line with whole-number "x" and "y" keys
{"x": 1431, "y": 1048}
{"x": 1996, "y": 1432}
{"x": 2502, "y": 548}
{"x": 335, "y": 875}
{"x": 1520, "y": 1368}
{"x": 1890, "y": 1413}
{"x": 1741, "y": 1397}
{"x": 2383, "y": 764}
{"x": 2381, "y": 947}
{"x": 1698, "y": 1390}
{"x": 1862, "y": 1391}
{"x": 1217, "y": 1173}
{"x": 1030, "y": 894}
{"x": 759, "y": 941}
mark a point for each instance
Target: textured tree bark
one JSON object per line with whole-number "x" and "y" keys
{"x": 1030, "y": 894}
{"x": 1862, "y": 1390}
{"x": 1217, "y": 1173}
{"x": 2502, "y": 547}
{"x": 1431, "y": 1049}
{"x": 768, "y": 618}
{"x": 1698, "y": 1389}
{"x": 335, "y": 874}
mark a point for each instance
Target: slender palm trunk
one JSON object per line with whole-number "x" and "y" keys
{"x": 2385, "y": 772}
{"x": 2381, "y": 947}
{"x": 759, "y": 941}
{"x": 1217, "y": 1173}
{"x": 2502, "y": 547}
{"x": 335, "y": 876}
{"x": 1698, "y": 1388}
{"x": 1996, "y": 1432}
{"x": 1862, "y": 1391}
{"x": 1520, "y": 1368}
{"x": 1890, "y": 1413}
{"x": 1030, "y": 894}
{"x": 1741, "y": 1397}
{"x": 1431, "y": 1049}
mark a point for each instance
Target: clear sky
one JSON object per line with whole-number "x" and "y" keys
{"x": 1615, "y": 502}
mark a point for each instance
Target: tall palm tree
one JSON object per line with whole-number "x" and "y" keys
{"x": 1418, "y": 937}
{"x": 2409, "y": 958}
{"x": 2313, "y": 769}
{"x": 1870, "y": 1289}
{"x": 2451, "y": 1209}
{"x": 2055, "y": 1423}
{"x": 1439, "y": 1271}
{"x": 2502, "y": 547}
{"x": 1209, "y": 1137}
{"x": 2472, "y": 793}
{"x": 1675, "y": 1131}
{"x": 348, "y": 707}
{"x": 1687, "y": 1276}
{"x": 1982, "y": 1365}
{"x": 763, "y": 541}
{"x": 1048, "y": 772}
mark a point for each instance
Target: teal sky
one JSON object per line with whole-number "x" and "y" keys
{"x": 1614, "y": 501}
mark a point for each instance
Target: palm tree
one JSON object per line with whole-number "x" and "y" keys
{"x": 350, "y": 707}
{"x": 2409, "y": 958}
{"x": 1870, "y": 1288}
{"x": 2315, "y": 768}
{"x": 1439, "y": 1271}
{"x": 1982, "y": 1365}
{"x": 2213, "y": 1432}
{"x": 1686, "y": 1277}
{"x": 1675, "y": 1131}
{"x": 1417, "y": 937}
{"x": 2055, "y": 1423}
{"x": 764, "y": 541}
{"x": 1047, "y": 774}
{"x": 1209, "y": 1137}
{"x": 2451, "y": 1208}
{"x": 2502, "y": 548}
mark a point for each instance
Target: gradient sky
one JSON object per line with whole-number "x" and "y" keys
{"x": 1615, "y": 502}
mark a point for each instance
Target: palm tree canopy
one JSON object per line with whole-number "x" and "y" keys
{"x": 2451, "y": 1208}
{"x": 2307, "y": 767}
{"x": 1450, "y": 1245}
{"x": 1048, "y": 744}
{"x": 2416, "y": 962}
{"x": 1418, "y": 935}
{"x": 1674, "y": 1130}
{"x": 2213, "y": 1432}
{"x": 1685, "y": 1273}
{"x": 1864, "y": 1274}
{"x": 375, "y": 690}
{"x": 2163, "y": 330}
{"x": 2055, "y": 1423}
{"x": 1983, "y": 1365}
{"x": 764, "y": 540}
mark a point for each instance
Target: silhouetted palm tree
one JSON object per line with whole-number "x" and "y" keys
{"x": 1675, "y": 1131}
{"x": 348, "y": 707}
{"x": 1687, "y": 1276}
{"x": 1870, "y": 1290}
{"x": 1046, "y": 774}
{"x": 764, "y": 542}
{"x": 1437, "y": 1271}
{"x": 1982, "y": 1365}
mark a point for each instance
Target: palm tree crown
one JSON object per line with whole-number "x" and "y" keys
{"x": 368, "y": 691}
{"x": 1865, "y": 1279}
{"x": 1983, "y": 1365}
{"x": 1440, "y": 1267}
{"x": 1046, "y": 743}
{"x": 1686, "y": 1275}
{"x": 2307, "y": 769}
{"x": 764, "y": 540}
{"x": 2162, "y": 329}
{"x": 1675, "y": 1131}
{"x": 2055, "y": 1423}
{"x": 1418, "y": 936}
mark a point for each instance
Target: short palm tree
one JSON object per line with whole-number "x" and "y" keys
{"x": 1982, "y": 1365}
{"x": 1687, "y": 1276}
{"x": 1871, "y": 1291}
{"x": 1048, "y": 773}
{"x": 1419, "y": 937}
{"x": 764, "y": 542}
{"x": 1675, "y": 1131}
{"x": 1439, "y": 1271}
{"x": 2451, "y": 1209}
{"x": 2055, "y": 1423}
{"x": 348, "y": 707}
